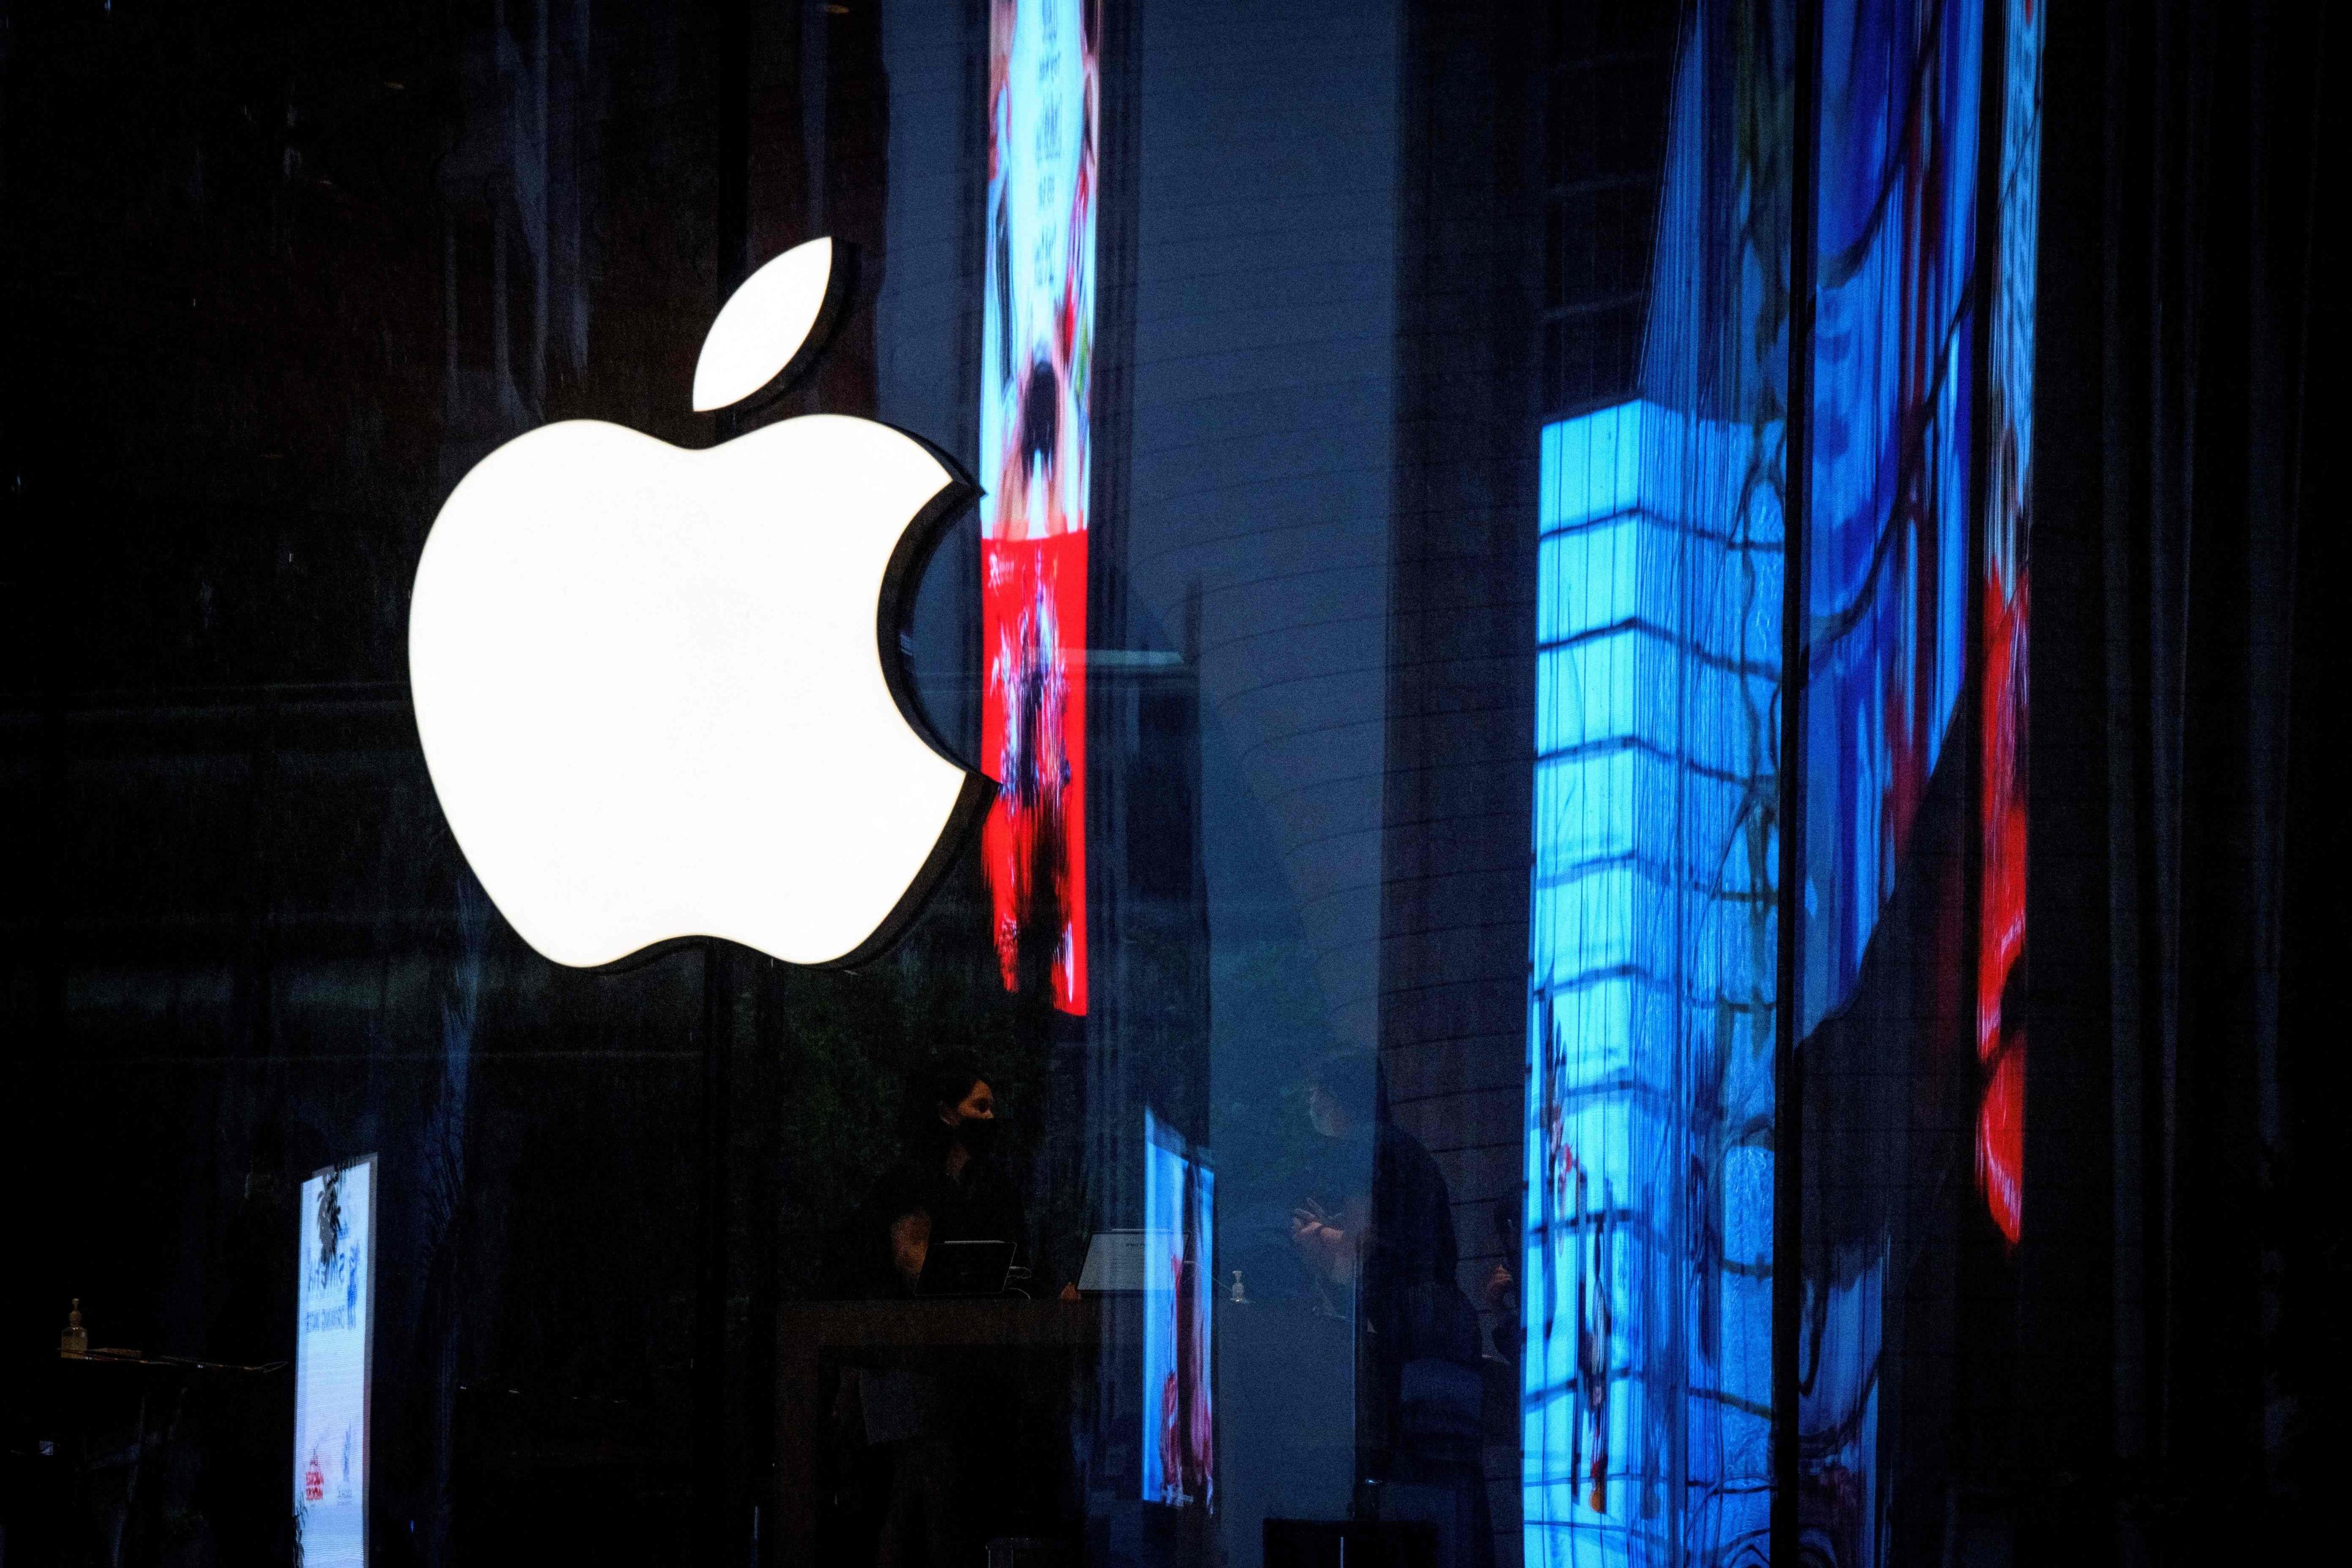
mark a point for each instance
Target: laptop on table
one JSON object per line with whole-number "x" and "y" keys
{"x": 965, "y": 1269}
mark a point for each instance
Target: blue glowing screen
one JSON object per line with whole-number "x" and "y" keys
{"x": 1647, "y": 1372}
{"x": 1888, "y": 576}
{"x": 1180, "y": 1444}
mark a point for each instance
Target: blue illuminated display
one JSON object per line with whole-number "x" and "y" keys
{"x": 1647, "y": 1377}
{"x": 1890, "y": 585}
{"x": 335, "y": 1344}
{"x": 1888, "y": 575}
{"x": 1180, "y": 1447}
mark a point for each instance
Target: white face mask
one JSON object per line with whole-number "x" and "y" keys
{"x": 1325, "y": 1114}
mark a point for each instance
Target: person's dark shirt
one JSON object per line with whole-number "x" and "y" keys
{"x": 1411, "y": 1262}
{"x": 1410, "y": 1297}
{"x": 982, "y": 1205}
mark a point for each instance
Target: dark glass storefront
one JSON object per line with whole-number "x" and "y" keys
{"x": 1304, "y": 984}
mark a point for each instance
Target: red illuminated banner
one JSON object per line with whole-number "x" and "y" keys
{"x": 2001, "y": 932}
{"x": 1034, "y": 734}
{"x": 1037, "y": 351}
{"x": 2006, "y": 618}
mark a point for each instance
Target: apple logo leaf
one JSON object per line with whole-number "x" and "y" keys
{"x": 762, "y": 326}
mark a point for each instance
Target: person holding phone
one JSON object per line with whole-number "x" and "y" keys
{"x": 1377, "y": 1239}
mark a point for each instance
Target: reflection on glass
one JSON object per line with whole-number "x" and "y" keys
{"x": 1899, "y": 1109}
{"x": 332, "y": 1340}
{"x": 1179, "y": 1274}
{"x": 1037, "y": 347}
{"x": 1886, "y": 539}
{"x": 1646, "y": 1382}
{"x": 2008, "y": 596}
{"x": 1648, "y": 1288}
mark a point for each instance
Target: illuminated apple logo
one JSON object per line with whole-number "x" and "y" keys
{"x": 657, "y": 688}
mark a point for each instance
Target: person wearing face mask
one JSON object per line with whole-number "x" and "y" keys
{"x": 922, "y": 1419}
{"x": 948, "y": 1186}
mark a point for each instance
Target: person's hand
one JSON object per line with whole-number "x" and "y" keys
{"x": 910, "y": 1245}
{"x": 1321, "y": 1243}
{"x": 1499, "y": 1284}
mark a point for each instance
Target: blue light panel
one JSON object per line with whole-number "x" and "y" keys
{"x": 1647, "y": 1377}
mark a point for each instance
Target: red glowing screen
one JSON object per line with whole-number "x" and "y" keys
{"x": 2008, "y": 597}
{"x": 1037, "y": 350}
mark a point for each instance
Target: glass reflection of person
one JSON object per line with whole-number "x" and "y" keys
{"x": 947, "y": 1185}
{"x": 1380, "y": 1227}
{"x": 1380, "y": 1219}
{"x": 926, "y": 1416}
{"x": 948, "y": 1188}
{"x": 1509, "y": 1334}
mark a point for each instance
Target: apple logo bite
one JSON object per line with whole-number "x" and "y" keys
{"x": 658, "y": 688}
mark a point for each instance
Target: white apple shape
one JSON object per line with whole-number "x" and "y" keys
{"x": 650, "y": 681}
